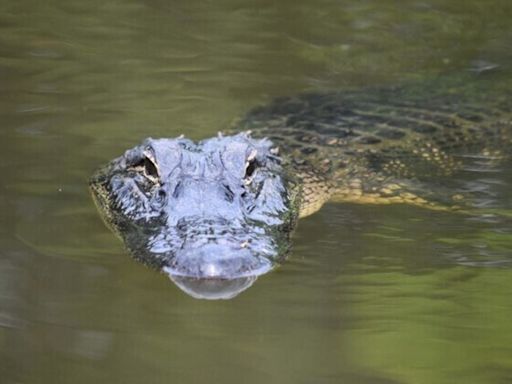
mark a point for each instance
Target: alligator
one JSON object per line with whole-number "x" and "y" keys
{"x": 216, "y": 214}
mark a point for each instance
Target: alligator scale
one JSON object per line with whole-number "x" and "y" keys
{"x": 216, "y": 214}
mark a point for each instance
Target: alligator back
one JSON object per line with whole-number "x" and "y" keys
{"x": 383, "y": 144}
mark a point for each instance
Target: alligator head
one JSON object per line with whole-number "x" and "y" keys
{"x": 213, "y": 215}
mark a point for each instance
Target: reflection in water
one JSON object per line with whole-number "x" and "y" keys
{"x": 213, "y": 289}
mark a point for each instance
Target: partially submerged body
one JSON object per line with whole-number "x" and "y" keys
{"x": 223, "y": 209}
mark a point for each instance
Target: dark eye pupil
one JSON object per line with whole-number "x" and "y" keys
{"x": 150, "y": 167}
{"x": 251, "y": 167}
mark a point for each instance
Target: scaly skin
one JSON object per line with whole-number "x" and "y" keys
{"x": 385, "y": 145}
{"x": 224, "y": 209}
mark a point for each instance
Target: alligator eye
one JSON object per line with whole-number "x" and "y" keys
{"x": 149, "y": 168}
{"x": 250, "y": 168}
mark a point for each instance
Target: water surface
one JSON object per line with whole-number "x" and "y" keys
{"x": 388, "y": 294}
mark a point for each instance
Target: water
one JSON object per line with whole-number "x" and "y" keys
{"x": 389, "y": 294}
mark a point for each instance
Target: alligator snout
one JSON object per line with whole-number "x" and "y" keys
{"x": 214, "y": 248}
{"x": 217, "y": 261}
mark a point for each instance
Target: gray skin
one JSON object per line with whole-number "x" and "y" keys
{"x": 213, "y": 215}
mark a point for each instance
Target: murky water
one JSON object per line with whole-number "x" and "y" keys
{"x": 389, "y": 294}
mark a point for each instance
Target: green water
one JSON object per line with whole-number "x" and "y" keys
{"x": 389, "y": 294}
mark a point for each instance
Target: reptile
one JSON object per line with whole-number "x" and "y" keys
{"x": 216, "y": 214}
